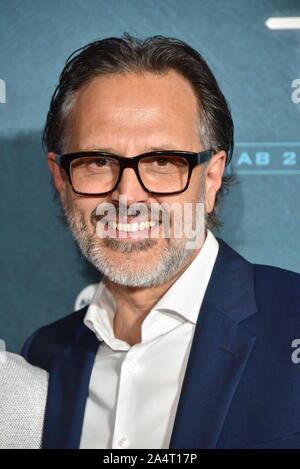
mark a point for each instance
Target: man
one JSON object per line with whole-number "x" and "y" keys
{"x": 185, "y": 344}
{"x": 23, "y": 390}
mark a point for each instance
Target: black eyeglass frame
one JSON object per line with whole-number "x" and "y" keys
{"x": 193, "y": 159}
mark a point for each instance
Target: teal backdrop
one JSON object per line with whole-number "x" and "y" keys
{"x": 42, "y": 270}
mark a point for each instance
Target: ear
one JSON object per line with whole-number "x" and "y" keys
{"x": 57, "y": 173}
{"x": 214, "y": 173}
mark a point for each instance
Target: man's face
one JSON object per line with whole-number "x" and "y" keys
{"x": 129, "y": 115}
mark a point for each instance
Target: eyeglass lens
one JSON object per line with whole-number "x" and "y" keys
{"x": 96, "y": 174}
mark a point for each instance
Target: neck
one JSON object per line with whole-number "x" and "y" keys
{"x": 134, "y": 304}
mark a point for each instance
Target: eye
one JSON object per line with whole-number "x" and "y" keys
{"x": 100, "y": 162}
{"x": 94, "y": 164}
{"x": 162, "y": 161}
{"x": 88, "y": 161}
{"x": 168, "y": 161}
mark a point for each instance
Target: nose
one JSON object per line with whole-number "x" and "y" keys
{"x": 130, "y": 187}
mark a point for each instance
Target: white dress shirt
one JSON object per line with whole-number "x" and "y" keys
{"x": 134, "y": 390}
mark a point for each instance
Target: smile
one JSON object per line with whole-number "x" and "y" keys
{"x": 132, "y": 227}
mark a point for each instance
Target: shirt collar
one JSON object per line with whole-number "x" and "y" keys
{"x": 184, "y": 297}
{"x": 186, "y": 294}
{"x": 100, "y": 315}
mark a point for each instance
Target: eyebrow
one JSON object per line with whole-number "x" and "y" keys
{"x": 146, "y": 150}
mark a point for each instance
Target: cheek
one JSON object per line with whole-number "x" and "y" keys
{"x": 198, "y": 186}
{"x": 83, "y": 205}
{"x": 196, "y": 189}
{"x": 194, "y": 193}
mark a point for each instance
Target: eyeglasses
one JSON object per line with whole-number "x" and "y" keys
{"x": 159, "y": 172}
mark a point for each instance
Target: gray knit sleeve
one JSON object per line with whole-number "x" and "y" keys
{"x": 23, "y": 391}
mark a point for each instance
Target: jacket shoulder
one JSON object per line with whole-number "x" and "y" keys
{"x": 276, "y": 282}
{"x": 44, "y": 343}
{"x": 276, "y": 272}
{"x": 274, "y": 289}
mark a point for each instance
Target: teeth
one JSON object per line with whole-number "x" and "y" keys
{"x": 132, "y": 227}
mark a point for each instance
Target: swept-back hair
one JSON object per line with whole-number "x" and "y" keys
{"x": 157, "y": 54}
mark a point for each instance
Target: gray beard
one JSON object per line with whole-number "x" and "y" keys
{"x": 172, "y": 260}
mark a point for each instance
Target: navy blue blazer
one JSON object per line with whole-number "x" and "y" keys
{"x": 242, "y": 383}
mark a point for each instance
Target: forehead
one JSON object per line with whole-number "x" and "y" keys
{"x": 135, "y": 102}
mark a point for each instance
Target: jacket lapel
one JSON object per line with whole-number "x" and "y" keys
{"x": 218, "y": 356}
{"x": 219, "y": 353}
{"x": 68, "y": 390}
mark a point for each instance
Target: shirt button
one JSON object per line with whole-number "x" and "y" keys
{"x": 131, "y": 367}
{"x": 123, "y": 442}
